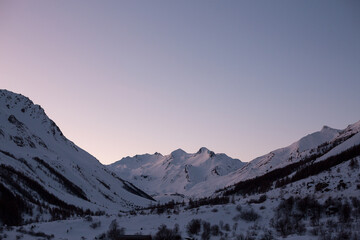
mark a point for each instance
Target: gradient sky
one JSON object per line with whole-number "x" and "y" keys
{"x": 130, "y": 77}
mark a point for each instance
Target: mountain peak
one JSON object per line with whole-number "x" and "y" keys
{"x": 179, "y": 172}
{"x": 42, "y": 162}
{"x": 21, "y": 109}
{"x": 327, "y": 131}
{"x": 326, "y": 128}
{"x": 21, "y": 106}
{"x": 178, "y": 153}
{"x": 203, "y": 149}
{"x": 354, "y": 128}
{"x": 16, "y": 101}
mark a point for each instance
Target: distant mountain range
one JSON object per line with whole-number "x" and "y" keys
{"x": 177, "y": 175}
{"x": 45, "y": 176}
{"x": 183, "y": 175}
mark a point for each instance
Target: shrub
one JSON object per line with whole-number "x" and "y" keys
{"x": 101, "y": 236}
{"x": 345, "y": 212}
{"x": 215, "y": 230}
{"x": 206, "y": 231}
{"x": 267, "y": 235}
{"x": 261, "y": 199}
{"x": 95, "y": 225}
{"x": 114, "y": 231}
{"x": 290, "y": 212}
{"x": 343, "y": 235}
{"x": 226, "y": 227}
{"x": 240, "y": 237}
{"x": 235, "y": 227}
{"x": 356, "y": 207}
{"x": 88, "y": 218}
{"x": 249, "y": 215}
{"x": 353, "y": 164}
{"x": 193, "y": 227}
{"x": 320, "y": 186}
{"x": 238, "y": 208}
{"x": 167, "y": 234}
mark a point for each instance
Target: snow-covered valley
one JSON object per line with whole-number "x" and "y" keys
{"x": 52, "y": 189}
{"x": 244, "y": 217}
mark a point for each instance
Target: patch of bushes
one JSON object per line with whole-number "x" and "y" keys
{"x": 114, "y": 231}
{"x": 193, "y": 227}
{"x": 289, "y": 216}
{"x": 197, "y": 226}
{"x": 36, "y": 234}
{"x": 215, "y": 230}
{"x": 261, "y": 199}
{"x": 208, "y": 201}
{"x": 95, "y": 225}
{"x": 246, "y": 215}
{"x": 249, "y": 215}
{"x": 320, "y": 186}
{"x": 165, "y": 233}
{"x": 206, "y": 231}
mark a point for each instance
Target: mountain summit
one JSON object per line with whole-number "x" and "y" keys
{"x": 40, "y": 167}
{"x": 200, "y": 174}
{"x": 176, "y": 174}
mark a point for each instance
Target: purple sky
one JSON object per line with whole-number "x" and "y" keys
{"x": 130, "y": 77}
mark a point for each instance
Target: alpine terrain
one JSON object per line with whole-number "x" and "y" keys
{"x": 52, "y": 189}
{"x": 178, "y": 175}
{"x": 44, "y": 176}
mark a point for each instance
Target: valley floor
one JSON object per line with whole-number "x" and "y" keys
{"x": 230, "y": 218}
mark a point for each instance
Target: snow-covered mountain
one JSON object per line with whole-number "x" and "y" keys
{"x": 307, "y": 190}
{"x": 320, "y": 204}
{"x": 318, "y": 145}
{"x": 40, "y": 166}
{"x": 178, "y": 174}
{"x": 284, "y": 156}
{"x": 201, "y": 174}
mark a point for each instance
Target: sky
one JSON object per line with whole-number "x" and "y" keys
{"x": 130, "y": 77}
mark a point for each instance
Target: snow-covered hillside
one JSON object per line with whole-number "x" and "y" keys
{"x": 198, "y": 175}
{"x": 308, "y": 190}
{"x": 177, "y": 175}
{"x": 41, "y": 166}
{"x": 314, "y": 208}
{"x": 319, "y": 145}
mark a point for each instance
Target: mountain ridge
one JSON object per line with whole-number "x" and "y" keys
{"x": 50, "y": 178}
{"x": 38, "y": 160}
{"x": 176, "y": 173}
{"x": 323, "y": 142}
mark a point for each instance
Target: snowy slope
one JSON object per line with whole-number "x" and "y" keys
{"x": 194, "y": 175}
{"x": 34, "y": 151}
{"x": 341, "y": 183}
{"x": 177, "y": 174}
{"x": 284, "y": 156}
{"x": 348, "y": 138}
{"x": 36, "y": 158}
{"x": 319, "y": 146}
